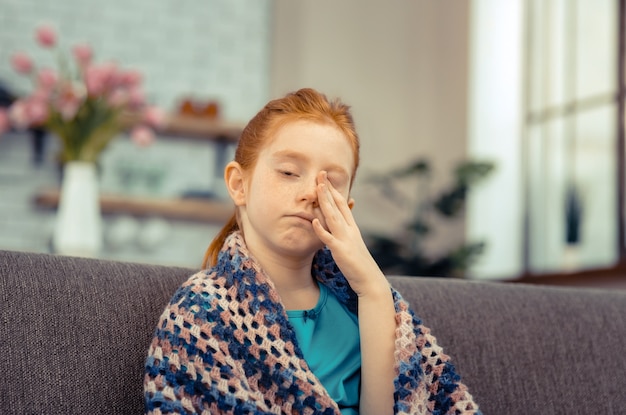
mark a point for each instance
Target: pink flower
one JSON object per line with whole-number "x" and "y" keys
{"x": 109, "y": 71}
{"x": 101, "y": 79}
{"x": 47, "y": 79}
{"x": 4, "y": 121}
{"x": 95, "y": 80}
{"x": 142, "y": 136}
{"x": 68, "y": 104}
{"x": 118, "y": 98}
{"x": 154, "y": 117}
{"x": 131, "y": 78}
{"x": 22, "y": 63}
{"x": 37, "y": 110}
{"x": 83, "y": 54}
{"x": 136, "y": 97}
{"x": 46, "y": 36}
{"x": 18, "y": 115}
{"x": 40, "y": 94}
{"x": 29, "y": 111}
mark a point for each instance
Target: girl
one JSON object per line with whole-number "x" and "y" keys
{"x": 291, "y": 314}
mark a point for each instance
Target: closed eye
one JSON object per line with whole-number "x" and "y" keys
{"x": 337, "y": 182}
{"x": 287, "y": 173}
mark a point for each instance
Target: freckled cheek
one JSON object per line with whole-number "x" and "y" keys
{"x": 281, "y": 195}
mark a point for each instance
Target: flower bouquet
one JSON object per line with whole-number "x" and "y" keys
{"x": 86, "y": 105}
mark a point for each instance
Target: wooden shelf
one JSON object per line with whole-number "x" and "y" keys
{"x": 201, "y": 210}
{"x": 193, "y": 209}
{"x": 201, "y": 128}
{"x": 608, "y": 277}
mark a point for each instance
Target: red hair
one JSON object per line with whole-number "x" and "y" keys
{"x": 305, "y": 104}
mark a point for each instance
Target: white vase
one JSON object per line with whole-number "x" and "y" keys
{"x": 78, "y": 227}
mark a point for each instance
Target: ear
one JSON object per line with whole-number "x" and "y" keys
{"x": 235, "y": 183}
{"x": 350, "y": 203}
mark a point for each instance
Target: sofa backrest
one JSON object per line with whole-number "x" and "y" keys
{"x": 74, "y": 335}
{"x": 74, "y": 332}
{"x": 529, "y": 349}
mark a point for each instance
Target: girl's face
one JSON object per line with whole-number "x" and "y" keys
{"x": 279, "y": 197}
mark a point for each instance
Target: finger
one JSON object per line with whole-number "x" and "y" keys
{"x": 342, "y": 204}
{"x": 325, "y": 236}
{"x": 335, "y": 198}
{"x": 338, "y": 200}
{"x": 322, "y": 176}
{"x": 327, "y": 205}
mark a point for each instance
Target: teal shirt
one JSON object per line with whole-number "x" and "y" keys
{"x": 328, "y": 336}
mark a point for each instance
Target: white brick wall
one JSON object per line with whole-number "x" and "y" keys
{"x": 169, "y": 167}
{"x": 209, "y": 49}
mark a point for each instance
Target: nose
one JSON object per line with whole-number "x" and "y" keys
{"x": 309, "y": 191}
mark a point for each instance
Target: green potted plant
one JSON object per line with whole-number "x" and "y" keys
{"x": 404, "y": 253}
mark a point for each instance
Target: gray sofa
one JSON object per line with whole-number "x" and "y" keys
{"x": 74, "y": 334}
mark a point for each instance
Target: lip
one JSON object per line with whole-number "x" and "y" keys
{"x": 305, "y": 216}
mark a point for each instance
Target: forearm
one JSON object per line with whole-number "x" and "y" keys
{"x": 376, "y": 309}
{"x": 377, "y": 331}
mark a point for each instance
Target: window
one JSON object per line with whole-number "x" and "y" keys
{"x": 544, "y": 105}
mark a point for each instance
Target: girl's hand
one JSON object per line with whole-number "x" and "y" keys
{"x": 343, "y": 238}
{"x": 376, "y": 310}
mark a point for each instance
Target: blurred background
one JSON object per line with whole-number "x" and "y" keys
{"x": 532, "y": 89}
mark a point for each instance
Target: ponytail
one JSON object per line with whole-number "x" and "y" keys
{"x": 210, "y": 257}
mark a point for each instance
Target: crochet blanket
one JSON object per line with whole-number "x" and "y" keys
{"x": 224, "y": 345}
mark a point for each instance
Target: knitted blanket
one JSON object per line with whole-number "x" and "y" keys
{"x": 224, "y": 345}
